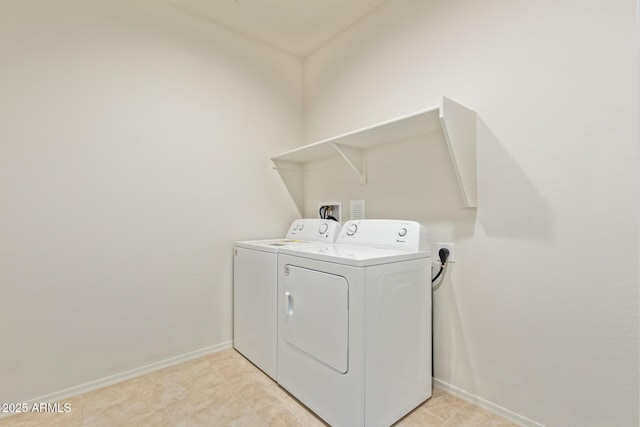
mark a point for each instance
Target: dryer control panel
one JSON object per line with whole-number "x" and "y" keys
{"x": 311, "y": 230}
{"x": 385, "y": 233}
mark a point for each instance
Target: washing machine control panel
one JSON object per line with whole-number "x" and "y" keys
{"x": 383, "y": 233}
{"x": 312, "y": 230}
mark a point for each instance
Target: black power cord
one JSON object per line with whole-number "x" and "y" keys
{"x": 444, "y": 255}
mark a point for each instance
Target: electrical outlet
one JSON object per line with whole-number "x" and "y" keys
{"x": 452, "y": 251}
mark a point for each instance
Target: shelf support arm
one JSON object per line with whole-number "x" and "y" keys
{"x": 293, "y": 178}
{"x": 459, "y": 127}
{"x": 355, "y": 159}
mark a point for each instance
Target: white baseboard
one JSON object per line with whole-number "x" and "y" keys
{"x": 127, "y": 375}
{"x": 485, "y": 404}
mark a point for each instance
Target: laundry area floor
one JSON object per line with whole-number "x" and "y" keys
{"x": 222, "y": 389}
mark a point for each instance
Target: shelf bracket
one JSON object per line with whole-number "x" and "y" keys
{"x": 459, "y": 127}
{"x": 293, "y": 178}
{"x": 355, "y": 159}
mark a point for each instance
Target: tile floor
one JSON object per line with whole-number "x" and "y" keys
{"x": 222, "y": 389}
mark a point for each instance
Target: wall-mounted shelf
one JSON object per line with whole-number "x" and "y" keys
{"x": 457, "y": 122}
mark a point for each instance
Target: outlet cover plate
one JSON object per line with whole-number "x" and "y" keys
{"x": 452, "y": 251}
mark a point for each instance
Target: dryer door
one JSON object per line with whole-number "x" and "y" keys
{"x": 316, "y": 306}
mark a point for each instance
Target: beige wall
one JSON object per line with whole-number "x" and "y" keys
{"x": 537, "y": 317}
{"x": 134, "y": 147}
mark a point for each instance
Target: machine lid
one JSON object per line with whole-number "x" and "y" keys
{"x": 272, "y": 245}
{"x": 301, "y": 232}
{"x": 353, "y": 255}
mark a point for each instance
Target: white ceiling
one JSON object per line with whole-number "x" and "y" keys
{"x": 295, "y": 26}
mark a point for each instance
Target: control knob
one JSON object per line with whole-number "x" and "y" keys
{"x": 323, "y": 228}
{"x": 402, "y": 232}
{"x": 351, "y": 229}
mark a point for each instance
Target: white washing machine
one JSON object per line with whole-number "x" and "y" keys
{"x": 255, "y": 289}
{"x": 354, "y": 323}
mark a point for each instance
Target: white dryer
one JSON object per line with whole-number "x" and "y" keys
{"x": 255, "y": 289}
{"x": 354, "y": 325}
